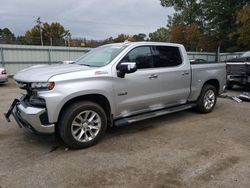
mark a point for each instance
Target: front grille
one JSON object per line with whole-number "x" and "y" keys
{"x": 237, "y": 69}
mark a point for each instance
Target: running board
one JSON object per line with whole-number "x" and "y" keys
{"x": 132, "y": 119}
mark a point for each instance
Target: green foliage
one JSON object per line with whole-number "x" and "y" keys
{"x": 33, "y": 36}
{"x": 243, "y": 28}
{"x": 124, "y": 37}
{"x": 215, "y": 19}
{"x": 160, "y": 35}
{"x": 53, "y": 33}
{"x": 121, "y": 38}
{"x": 220, "y": 17}
{"x": 187, "y": 12}
{"x": 6, "y": 36}
{"x": 139, "y": 37}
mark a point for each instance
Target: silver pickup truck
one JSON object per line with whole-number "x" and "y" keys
{"x": 114, "y": 85}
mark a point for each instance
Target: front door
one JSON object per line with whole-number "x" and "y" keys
{"x": 136, "y": 92}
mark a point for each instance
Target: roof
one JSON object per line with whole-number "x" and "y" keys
{"x": 127, "y": 43}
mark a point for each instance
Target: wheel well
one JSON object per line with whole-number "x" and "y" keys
{"x": 96, "y": 98}
{"x": 214, "y": 83}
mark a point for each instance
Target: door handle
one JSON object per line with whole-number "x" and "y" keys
{"x": 153, "y": 76}
{"x": 185, "y": 73}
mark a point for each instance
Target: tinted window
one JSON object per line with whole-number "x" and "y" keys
{"x": 142, "y": 56}
{"x": 166, "y": 56}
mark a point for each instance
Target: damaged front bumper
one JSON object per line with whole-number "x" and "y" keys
{"x": 33, "y": 118}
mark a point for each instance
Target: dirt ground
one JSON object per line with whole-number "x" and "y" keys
{"x": 184, "y": 149}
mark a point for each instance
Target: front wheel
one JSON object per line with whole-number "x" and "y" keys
{"x": 82, "y": 124}
{"x": 207, "y": 99}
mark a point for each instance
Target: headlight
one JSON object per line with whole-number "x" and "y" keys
{"x": 43, "y": 85}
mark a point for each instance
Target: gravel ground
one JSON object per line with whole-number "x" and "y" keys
{"x": 184, "y": 149}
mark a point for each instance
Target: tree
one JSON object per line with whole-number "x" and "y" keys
{"x": 33, "y": 36}
{"x": 139, "y": 37}
{"x": 190, "y": 36}
{"x": 160, "y": 35}
{"x": 122, "y": 38}
{"x": 186, "y": 12}
{"x": 6, "y": 36}
{"x": 220, "y": 18}
{"x": 21, "y": 40}
{"x": 215, "y": 19}
{"x": 53, "y": 34}
{"x": 243, "y": 29}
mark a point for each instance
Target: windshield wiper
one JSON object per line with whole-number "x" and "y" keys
{"x": 89, "y": 65}
{"x": 85, "y": 65}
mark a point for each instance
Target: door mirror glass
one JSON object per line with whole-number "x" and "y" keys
{"x": 126, "y": 68}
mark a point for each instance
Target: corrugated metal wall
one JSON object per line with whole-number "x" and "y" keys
{"x": 202, "y": 55}
{"x": 18, "y": 57}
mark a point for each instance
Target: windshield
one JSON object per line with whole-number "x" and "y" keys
{"x": 101, "y": 56}
{"x": 246, "y": 54}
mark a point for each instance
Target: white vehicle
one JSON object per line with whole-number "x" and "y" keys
{"x": 3, "y": 75}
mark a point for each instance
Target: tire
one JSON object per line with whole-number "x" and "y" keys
{"x": 82, "y": 124}
{"x": 207, "y": 99}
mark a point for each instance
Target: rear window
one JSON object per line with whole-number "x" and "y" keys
{"x": 166, "y": 56}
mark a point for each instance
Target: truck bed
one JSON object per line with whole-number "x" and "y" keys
{"x": 206, "y": 71}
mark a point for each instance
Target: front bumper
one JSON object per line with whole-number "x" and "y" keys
{"x": 238, "y": 79}
{"x": 31, "y": 118}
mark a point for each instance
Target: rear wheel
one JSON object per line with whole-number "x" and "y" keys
{"x": 82, "y": 124}
{"x": 207, "y": 99}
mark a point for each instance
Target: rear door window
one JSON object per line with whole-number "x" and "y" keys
{"x": 166, "y": 56}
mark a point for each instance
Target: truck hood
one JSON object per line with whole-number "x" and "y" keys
{"x": 42, "y": 73}
{"x": 239, "y": 59}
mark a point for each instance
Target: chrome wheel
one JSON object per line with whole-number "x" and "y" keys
{"x": 209, "y": 99}
{"x": 86, "y": 126}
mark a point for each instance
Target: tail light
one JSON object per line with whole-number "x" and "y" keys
{"x": 228, "y": 69}
{"x": 4, "y": 72}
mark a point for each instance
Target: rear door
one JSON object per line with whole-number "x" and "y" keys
{"x": 174, "y": 75}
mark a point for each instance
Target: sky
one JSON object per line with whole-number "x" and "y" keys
{"x": 91, "y": 19}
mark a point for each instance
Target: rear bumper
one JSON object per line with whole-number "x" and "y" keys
{"x": 3, "y": 78}
{"x": 30, "y": 117}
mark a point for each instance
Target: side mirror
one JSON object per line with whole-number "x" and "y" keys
{"x": 126, "y": 68}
